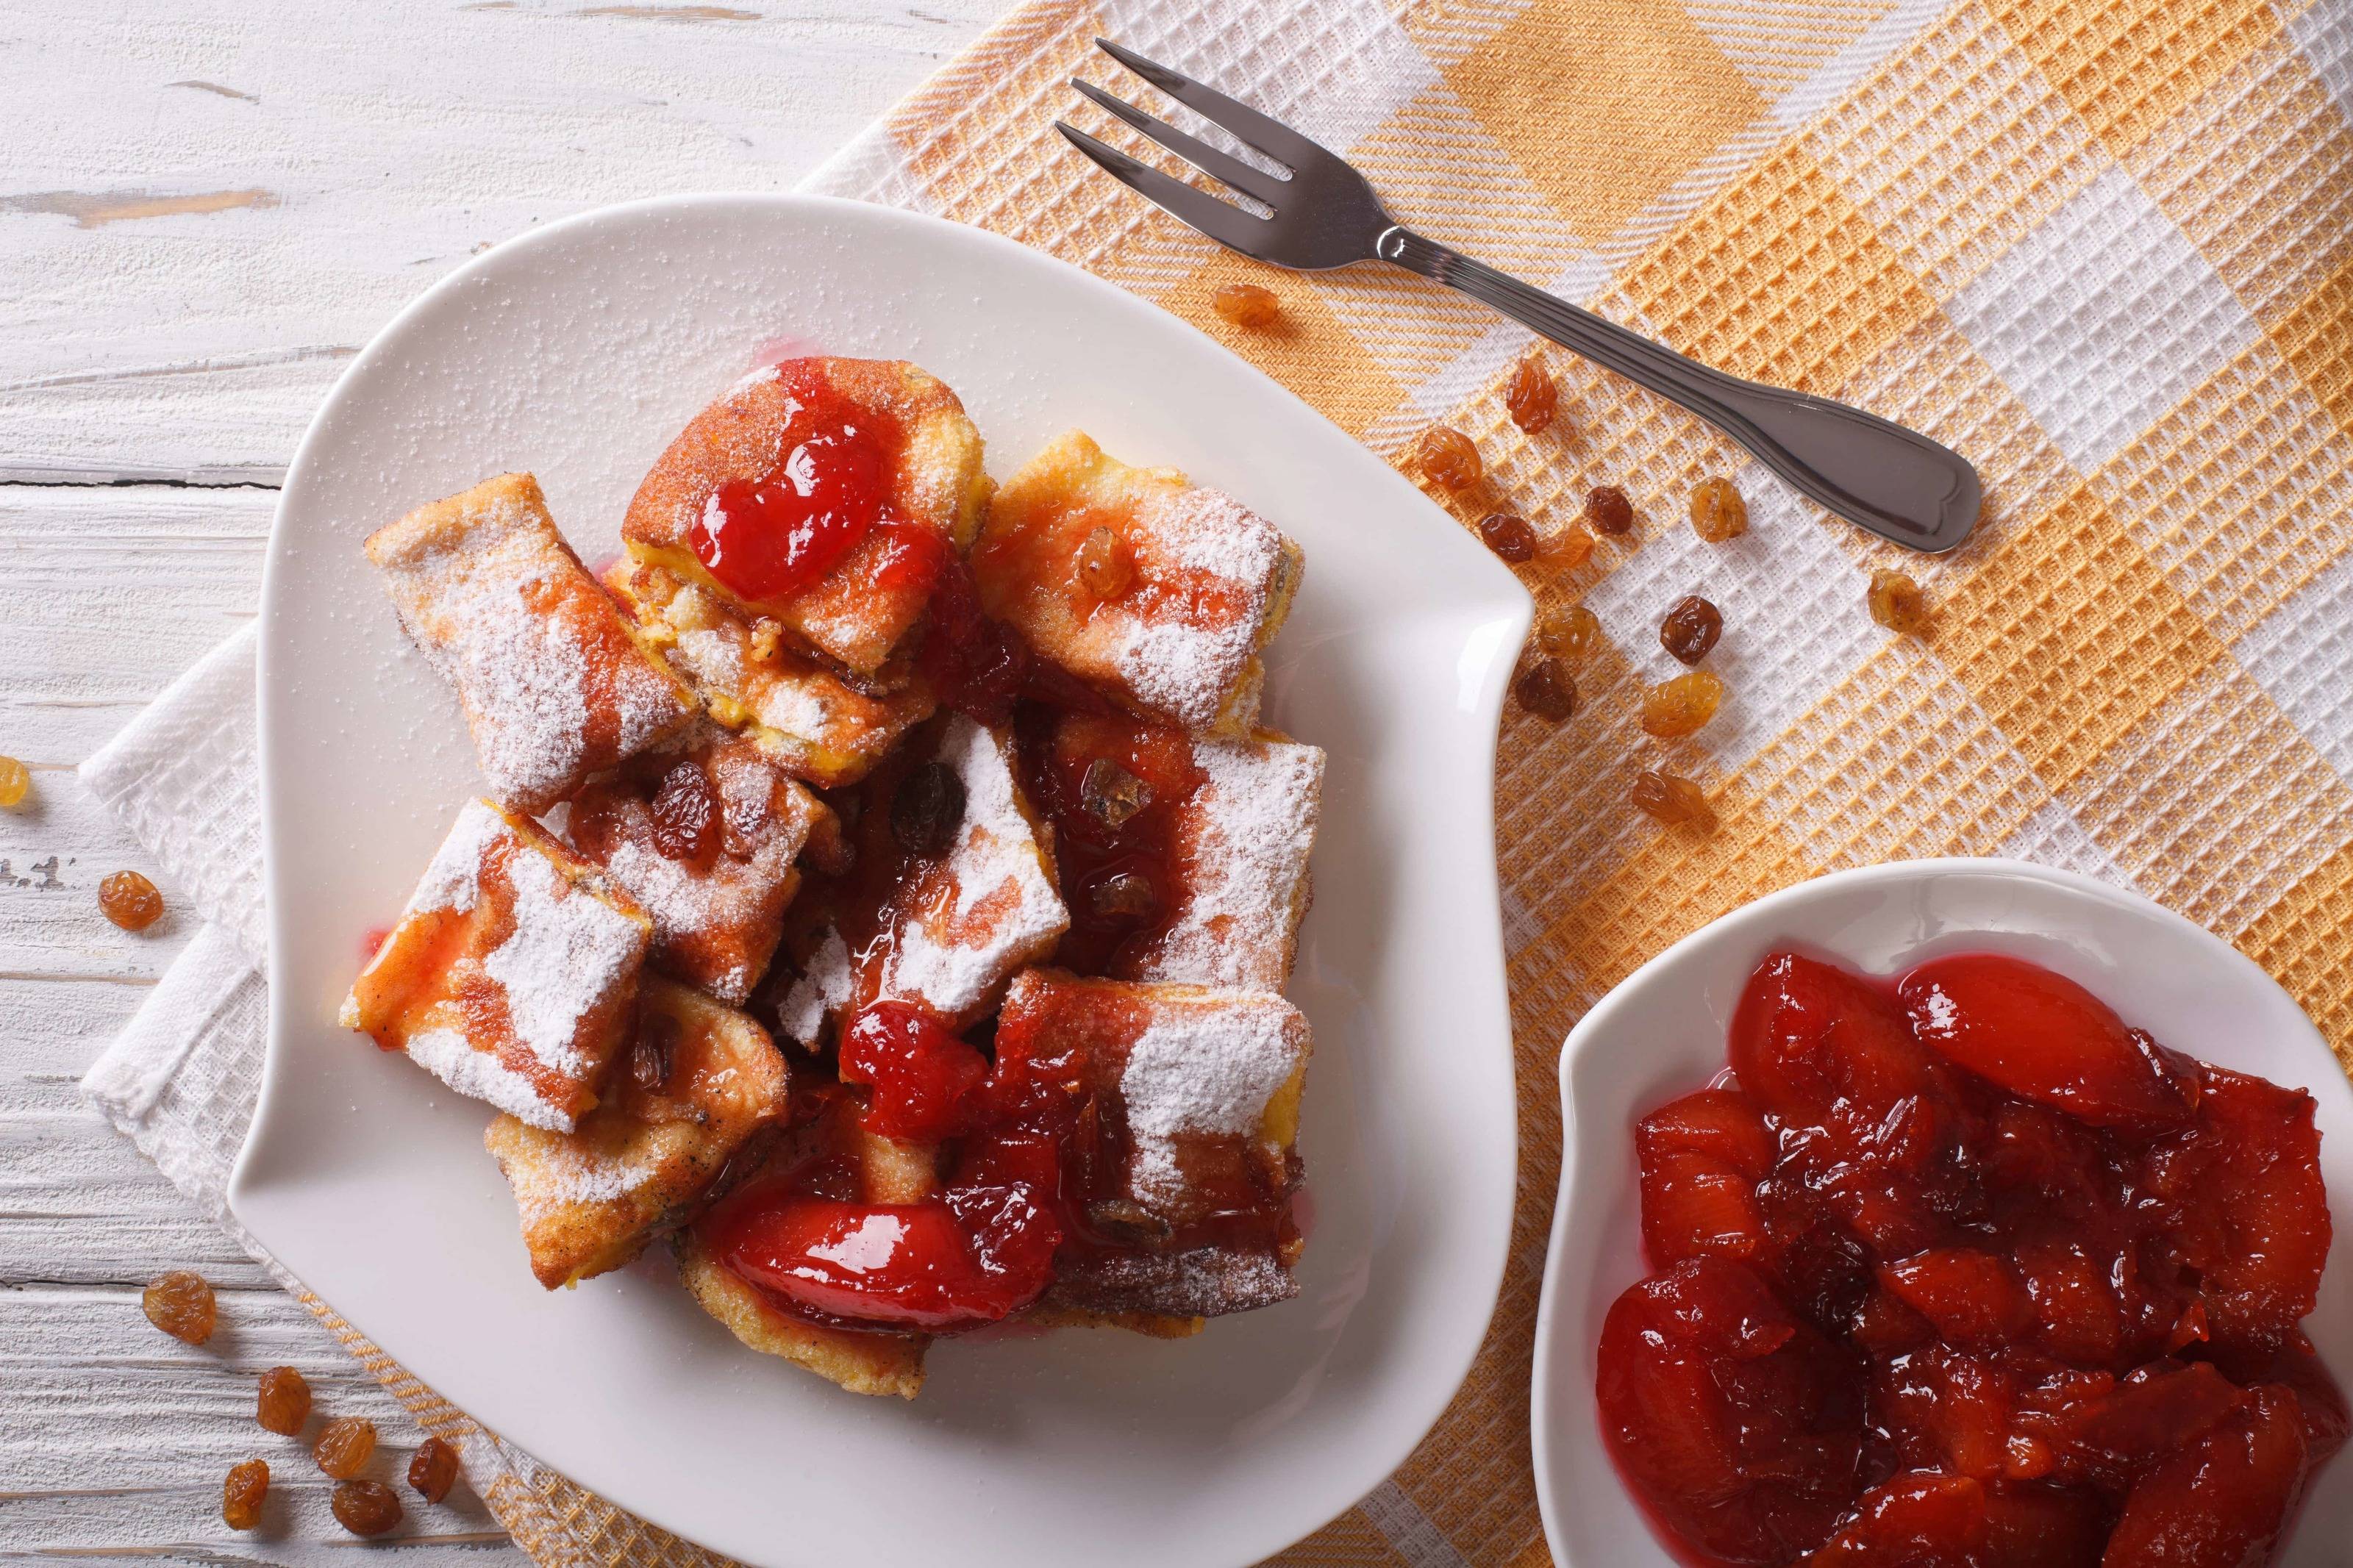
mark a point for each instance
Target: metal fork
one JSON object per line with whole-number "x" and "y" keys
{"x": 1895, "y": 482}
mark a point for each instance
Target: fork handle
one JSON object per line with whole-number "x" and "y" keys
{"x": 1895, "y": 482}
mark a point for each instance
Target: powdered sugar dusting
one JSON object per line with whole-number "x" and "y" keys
{"x": 454, "y": 881}
{"x": 567, "y": 954}
{"x": 1181, "y": 666}
{"x": 1203, "y": 1067}
{"x": 449, "y": 1057}
{"x": 564, "y": 1175}
{"x": 825, "y": 987}
{"x": 1244, "y": 839}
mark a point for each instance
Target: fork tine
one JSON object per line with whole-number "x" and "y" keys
{"x": 1272, "y": 137}
{"x": 1249, "y": 181}
{"x": 1222, "y": 221}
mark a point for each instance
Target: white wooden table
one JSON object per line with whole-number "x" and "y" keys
{"x": 205, "y": 208}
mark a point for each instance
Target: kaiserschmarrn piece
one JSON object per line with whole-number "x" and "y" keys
{"x": 704, "y": 836}
{"x": 698, "y": 1081}
{"x": 945, "y": 930}
{"x": 818, "y": 491}
{"x": 553, "y": 681}
{"x": 1206, "y": 1083}
{"x": 513, "y": 973}
{"x": 1239, "y": 845}
{"x": 816, "y": 723}
{"x": 1157, "y": 591}
{"x": 859, "y": 1361}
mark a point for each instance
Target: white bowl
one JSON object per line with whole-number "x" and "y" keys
{"x": 1662, "y": 1032}
{"x": 578, "y": 351}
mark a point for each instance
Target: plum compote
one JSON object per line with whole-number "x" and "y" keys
{"x": 1963, "y": 1271}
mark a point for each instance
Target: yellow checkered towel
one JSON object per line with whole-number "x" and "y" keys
{"x": 2102, "y": 248}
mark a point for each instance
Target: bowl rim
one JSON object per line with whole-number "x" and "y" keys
{"x": 1577, "y": 1045}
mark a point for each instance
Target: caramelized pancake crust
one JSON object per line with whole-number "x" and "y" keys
{"x": 511, "y": 973}
{"x": 859, "y": 610}
{"x": 1187, "y": 583}
{"x": 871, "y": 1363}
{"x": 648, "y": 1155}
{"x": 553, "y": 679}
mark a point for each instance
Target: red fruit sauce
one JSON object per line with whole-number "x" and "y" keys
{"x": 768, "y": 538}
{"x": 1963, "y": 1272}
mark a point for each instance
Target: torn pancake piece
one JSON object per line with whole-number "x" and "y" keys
{"x": 812, "y": 721}
{"x": 698, "y": 1082}
{"x": 822, "y": 492}
{"x": 944, "y": 930}
{"x": 553, "y": 681}
{"x": 859, "y": 1361}
{"x": 1197, "y": 1089}
{"x": 1157, "y": 592}
{"x": 513, "y": 973}
{"x": 705, "y": 835}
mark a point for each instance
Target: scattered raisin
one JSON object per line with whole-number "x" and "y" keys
{"x": 181, "y": 1304}
{"x": 1448, "y": 459}
{"x": 1674, "y": 800}
{"x": 15, "y": 780}
{"x": 1124, "y": 896}
{"x": 1691, "y": 629}
{"x": 130, "y": 900}
{"x": 242, "y": 1492}
{"x": 686, "y": 814}
{"x": 433, "y": 1469}
{"x": 1568, "y": 550}
{"x": 1568, "y": 633}
{"x": 1509, "y": 536}
{"x": 1679, "y": 707}
{"x": 1104, "y": 569}
{"x": 1717, "y": 513}
{"x": 1533, "y": 396}
{"x": 654, "y": 1050}
{"x": 1248, "y": 305}
{"x": 1606, "y": 510}
{"x": 1546, "y": 690}
{"x": 344, "y": 1444}
{"x": 1110, "y": 794}
{"x": 366, "y": 1507}
{"x": 927, "y": 809}
{"x": 1897, "y": 603}
{"x": 1126, "y": 1220}
{"x": 284, "y": 1401}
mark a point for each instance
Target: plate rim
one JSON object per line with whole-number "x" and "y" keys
{"x": 1511, "y": 597}
{"x": 1576, "y": 1044}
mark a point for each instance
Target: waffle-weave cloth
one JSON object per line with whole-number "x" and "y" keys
{"x": 2102, "y": 248}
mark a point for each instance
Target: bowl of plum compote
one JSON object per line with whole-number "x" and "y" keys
{"x": 1949, "y": 1214}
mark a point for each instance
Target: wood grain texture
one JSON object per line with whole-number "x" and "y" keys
{"x": 205, "y": 210}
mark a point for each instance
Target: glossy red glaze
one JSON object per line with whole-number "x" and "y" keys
{"x": 2061, "y": 1266}
{"x": 768, "y": 538}
{"x": 924, "y": 1082}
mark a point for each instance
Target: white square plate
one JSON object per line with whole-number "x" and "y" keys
{"x": 1662, "y": 1032}
{"x": 577, "y": 352}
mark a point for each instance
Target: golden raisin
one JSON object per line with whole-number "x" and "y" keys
{"x": 242, "y": 1493}
{"x": 1546, "y": 690}
{"x": 1509, "y": 536}
{"x": 1246, "y": 305}
{"x": 1606, "y": 510}
{"x": 1448, "y": 459}
{"x": 433, "y": 1469}
{"x": 181, "y": 1304}
{"x": 1105, "y": 570}
{"x": 1679, "y": 707}
{"x": 15, "y": 780}
{"x": 654, "y": 1051}
{"x": 1674, "y": 800}
{"x": 1568, "y": 550}
{"x": 1691, "y": 629}
{"x": 1717, "y": 513}
{"x": 344, "y": 1444}
{"x": 366, "y": 1507}
{"x": 1568, "y": 633}
{"x": 130, "y": 900}
{"x": 1531, "y": 396}
{"x": 1897, "y": 603}
{"x": 685, "y": 812}
{"x": 284, "y": 1402}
